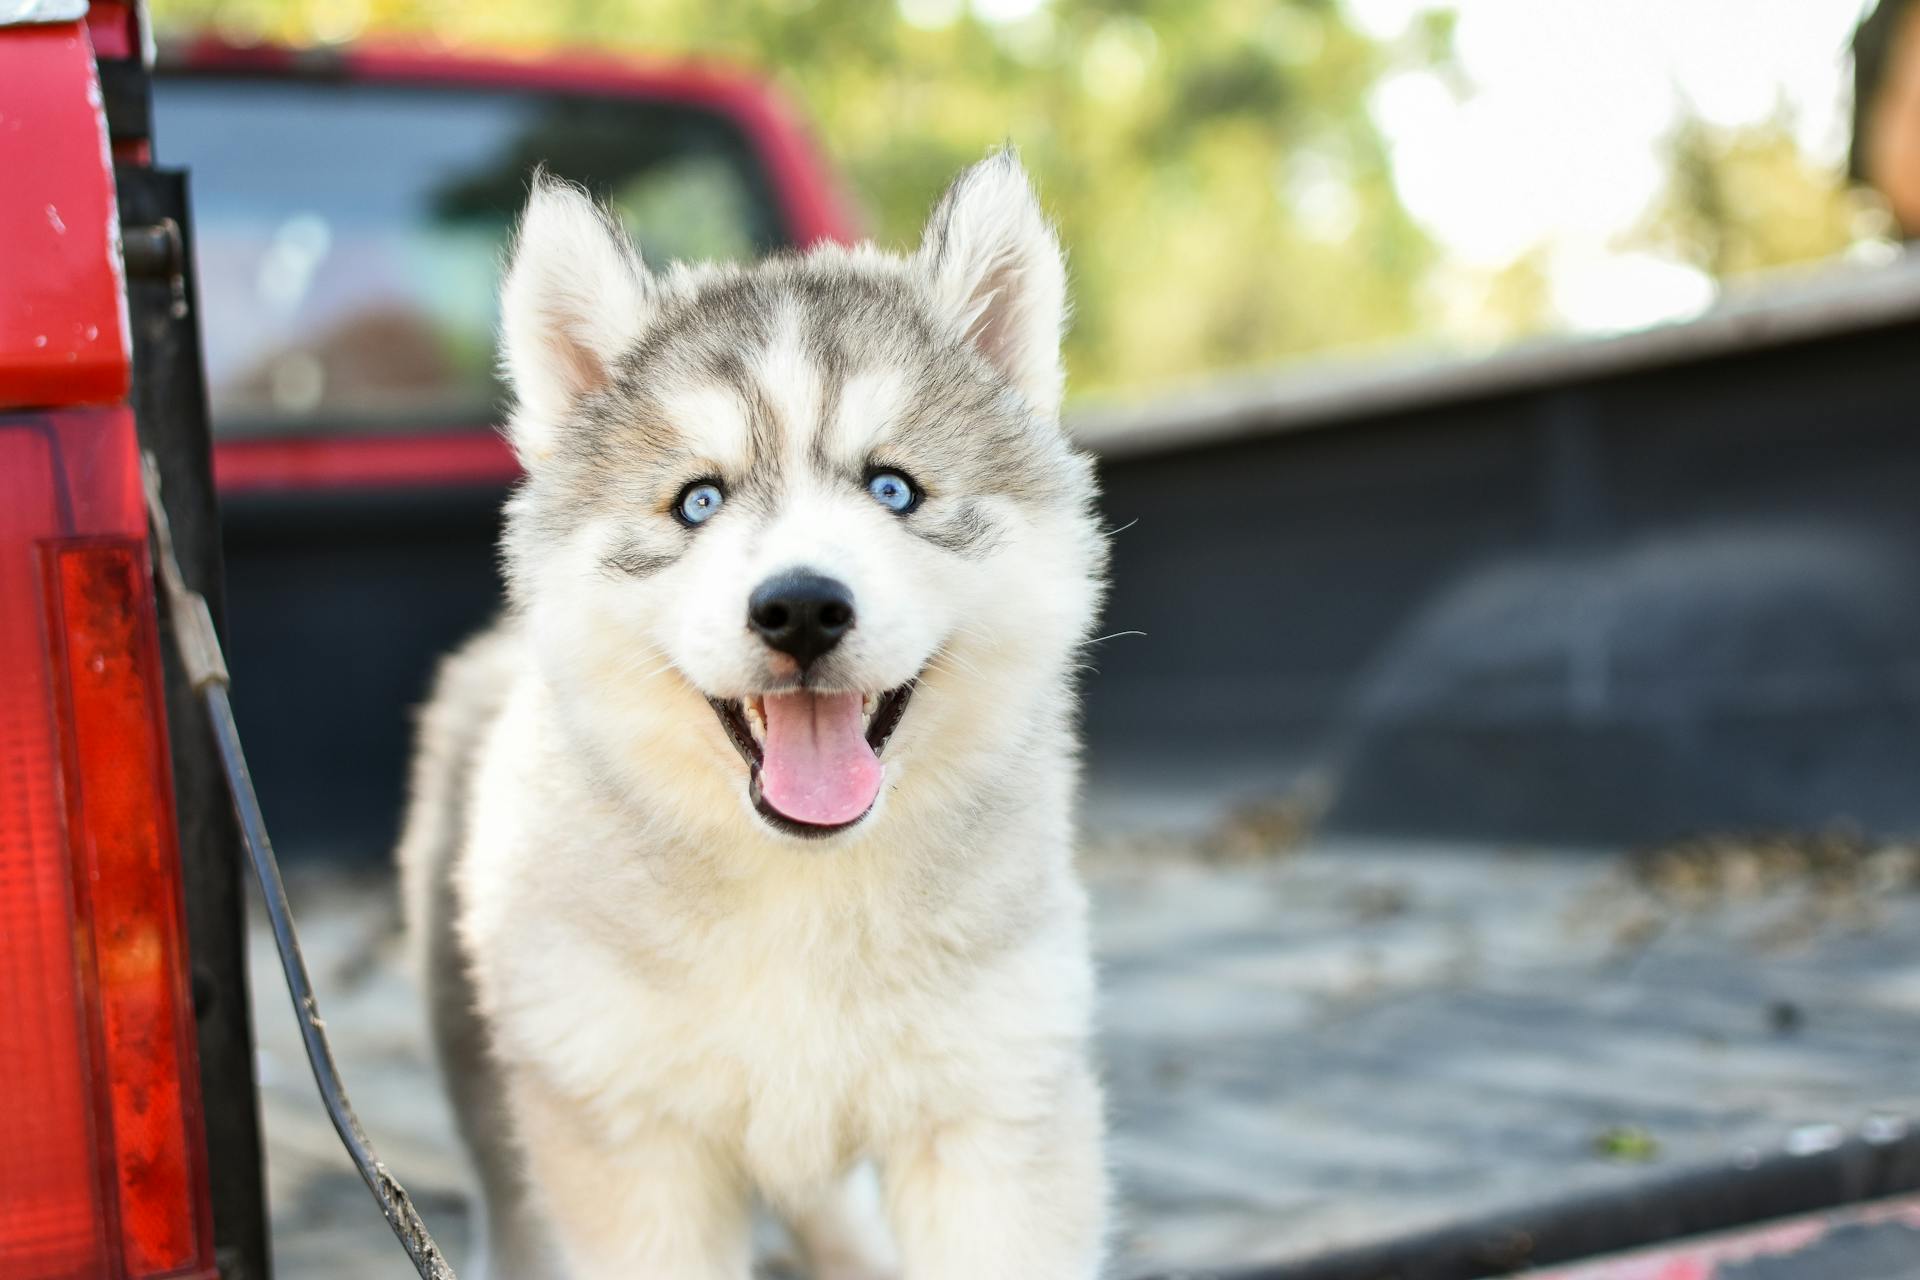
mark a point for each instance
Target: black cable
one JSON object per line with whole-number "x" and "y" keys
{"x": 394, "y": 1201}
{"x": 206, "y": 670}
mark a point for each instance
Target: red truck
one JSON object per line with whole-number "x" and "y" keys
{"x": 351, "y": 207}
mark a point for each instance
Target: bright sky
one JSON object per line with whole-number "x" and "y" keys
{"x": 1556, "y": 143}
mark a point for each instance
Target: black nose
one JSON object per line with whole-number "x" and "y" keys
{"x": 801, "y": 613}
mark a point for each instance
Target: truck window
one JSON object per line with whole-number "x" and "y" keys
{"x": 350, "y": 235}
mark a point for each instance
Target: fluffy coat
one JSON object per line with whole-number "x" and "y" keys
{"x": 653, "y": 1007}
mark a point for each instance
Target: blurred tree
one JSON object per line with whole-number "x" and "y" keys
{"x": 1224, "y": 194}
{"x": 1746, "y": 200}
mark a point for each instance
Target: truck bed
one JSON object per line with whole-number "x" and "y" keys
{"x": 1311, "y": 1046}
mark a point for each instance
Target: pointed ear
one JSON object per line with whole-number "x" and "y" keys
{"x": 996, "y": 269}
{"x": 576, "y": 297}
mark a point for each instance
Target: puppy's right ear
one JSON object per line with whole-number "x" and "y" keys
{"x": 575, "y": 299}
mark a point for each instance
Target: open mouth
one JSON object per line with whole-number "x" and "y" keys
{"x": 813, "y": 759}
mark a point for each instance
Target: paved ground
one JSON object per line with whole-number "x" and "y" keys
{"x": 1310, "y": 1047}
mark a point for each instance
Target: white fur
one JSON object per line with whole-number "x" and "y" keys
{"x": 869, "y": 407}
{"x": 575, "y": 298}
{"x": 996, "y": 265}
{"x": 791, "y": 384}
{"x": 687, "y": 1008}
{"x": 715, "y": 422}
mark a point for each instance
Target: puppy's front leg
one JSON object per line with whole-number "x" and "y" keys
{"x": 660, "y": 1204}
{"x": 1002, "y": 1199}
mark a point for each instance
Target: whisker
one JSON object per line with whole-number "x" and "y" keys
{"x": 946, "y": 660}
{"x": 952, "y": 662}
{"x": 1114, "y": 636}
{"x": 1114, "y": 533}
{"x": 982, "y": 642}
{"x": 630, "y": 666}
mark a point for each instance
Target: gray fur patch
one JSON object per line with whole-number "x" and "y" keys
{"x": 635, "y": 561}
{"x": 968, "y": 531}
{"x": 765, "y": 432}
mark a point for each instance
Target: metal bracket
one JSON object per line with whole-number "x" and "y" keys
{"x": 157, "y": 252}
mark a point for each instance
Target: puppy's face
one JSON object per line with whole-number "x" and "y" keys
{"x": 799, "y": 536}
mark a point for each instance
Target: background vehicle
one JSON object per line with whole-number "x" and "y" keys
{"x": 352, "y": 210}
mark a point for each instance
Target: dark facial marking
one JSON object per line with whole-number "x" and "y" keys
{"x": 764, "y": 429}
{"x": 638, "y": 562}
{"x": 969, "y": 531}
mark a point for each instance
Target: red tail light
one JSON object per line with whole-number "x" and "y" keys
{"x": 102, "y": 1163}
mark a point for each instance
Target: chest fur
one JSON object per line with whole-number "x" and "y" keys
{"x": 796, "y": 1035}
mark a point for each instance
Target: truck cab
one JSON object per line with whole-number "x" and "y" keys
{"x": 352, "y": 210}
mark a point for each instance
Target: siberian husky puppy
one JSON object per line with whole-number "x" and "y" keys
{"x": 739, "y": 854}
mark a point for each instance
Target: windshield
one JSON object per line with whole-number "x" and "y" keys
{"x": 349, "y": 237}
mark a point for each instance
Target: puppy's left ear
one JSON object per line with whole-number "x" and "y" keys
{"x": 996, "y": 269}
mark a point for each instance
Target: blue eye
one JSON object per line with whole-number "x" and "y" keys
{"x": 698, "y": 501}
{"x": 893, "y": 491}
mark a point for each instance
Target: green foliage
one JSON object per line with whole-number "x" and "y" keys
{"x": 1223, "y": 192}
{"x": 1225, "y": 198}
{"x": 1747, "y": 200}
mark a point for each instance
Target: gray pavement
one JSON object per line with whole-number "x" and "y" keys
{"x": 1305, "y": 1047}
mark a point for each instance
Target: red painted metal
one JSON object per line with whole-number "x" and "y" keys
{"x": 63, "y": 325}
{"x": 1779, "y": 1243}
{"x": 103, "y": 1165}
{"x": 811, "y": 204}
{"x": 476, "y": 457}
{"x": 115, "y": 28}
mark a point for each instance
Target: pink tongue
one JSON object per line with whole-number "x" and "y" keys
{"x": 817, "y": 766}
